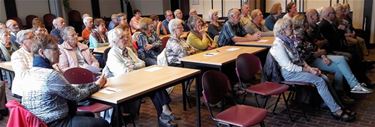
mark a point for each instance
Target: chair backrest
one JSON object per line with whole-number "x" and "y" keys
{"x": 79, "y": 75}
{"x": 216, "y": 86}
{"x": 164, "y": 41}
{"x": 105, "y": 54}
{"x": 21, "y": 117}
{"x": 247, "y": 65}
{"x": 271, "y": 70}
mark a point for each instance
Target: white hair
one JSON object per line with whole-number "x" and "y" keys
{"x": 64, "y": 32}
{"x": 211, "y": 14}
{"x": 172, "y": 25}
{"x": 86, "y": 20}
{"x": 21, "y": 35}
{"x": 54, "y": 21}
{"x": 281, "y": 25}
{"x": 176, "y": 11}
{"x": 114, "y": 35}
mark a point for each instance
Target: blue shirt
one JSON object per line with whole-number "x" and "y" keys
{"x": 56, "y": 33}
{"x": 228, "y": 32}
{"x": 165, "y": 25}
{"x": 270, "y": 22}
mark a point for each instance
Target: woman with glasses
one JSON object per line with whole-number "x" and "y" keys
{"x": 74, "y": 53}
{"x": 198, "y": 37}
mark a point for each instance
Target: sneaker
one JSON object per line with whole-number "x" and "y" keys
{"x": 169, "y": 117}
{"x": 165, "y": 122}
{"x": 360, "y": 89}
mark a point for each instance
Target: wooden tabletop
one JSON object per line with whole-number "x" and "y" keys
{"x": 6, "y": 65}
{"x": 263, "y": 42}
{"x": 100, "y": 49}
{"x": 140, "y": 82}
{"x": 220, "y": 56}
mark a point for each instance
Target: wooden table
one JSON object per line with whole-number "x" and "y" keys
{"x": 263, "y": 42}
{"x": 7, "y": 67}
{"x": 141, "y": 82}
{"x": 100, "y": 50}
{"x": 215, "y": 58}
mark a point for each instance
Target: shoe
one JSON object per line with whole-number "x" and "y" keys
{"x": 4, "y": 112}
{"x": 343, "y": 117}
{"x": 169, "y": 117}
{"x": 360, "y": 89}
{"x": 166, "y": 122}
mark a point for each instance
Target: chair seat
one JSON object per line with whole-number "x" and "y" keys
{"x": 242, "y": 115}
{"x": 267, "y": 88}
{"x": 95, "y": 108}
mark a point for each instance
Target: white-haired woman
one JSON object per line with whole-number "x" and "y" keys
{"x": 176, "y": 47}
{"x": 122, "y": 60}
{"x": 294, "y": 68}
{"x": 89, "y": 22}
{"x": 5, "y": 51}
{"x": 74, "y": 53}
{"x": 214, "y": 27}
{"x": 198, "y": 37}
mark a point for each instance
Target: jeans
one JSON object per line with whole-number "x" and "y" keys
{"x": 81, "y": 119}
{"x": 319, "y": 83}
{"x": 340, "y": 67}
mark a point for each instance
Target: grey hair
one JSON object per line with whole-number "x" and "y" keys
{"x": 54, "y": 21}
{"x": 231, "y": 12}
{"x": 86, "y": 20}
{"x": 280, "y": 26}
{"x": 64, "y": 32}
{"x": 8, "y": 22}
{"x": 21, "y": 35}
{"x": 175, "y": 12}
{"x": 211, "y": 13}
{"x": 3, "y": 31}
{"x": 172, "y": 25}
{"x": 325, "y": 11}
{"x": 192, "y": 21}
{"x": 114, "y": 35}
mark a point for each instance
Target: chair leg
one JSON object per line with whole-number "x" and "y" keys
{"x": 244, "y": 98}
{"x": 287, "y": 107}
{"x": 265, "y": 101}
{"x": 256, "y": 100}
{"x": 277, "y": 102}
{"x": 262, "y": 124}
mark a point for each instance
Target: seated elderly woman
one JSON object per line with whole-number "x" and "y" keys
{"x": 198, "y": 37}
{"x": 256, "y": 24}
{"x": 52, "y": 98}
{"x": 74, "y": 53}
{"x": 5, "y": 51}
{"x": 294, "y": 68}
{"x": 214, "y": 27}
{"x": 22, "y": 61}
{"x": 122, "y": 59}
{"x": 176, "y": 47}
{"x": 88, "y": 21}
{"x": 98, "y": 37}
{"x": 149, "y": 44}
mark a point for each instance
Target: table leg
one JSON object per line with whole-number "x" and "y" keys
{"x": 198, "y": 103}
{"x": 117, "y": 118}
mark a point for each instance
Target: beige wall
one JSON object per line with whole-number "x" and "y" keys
{"x": 148, "y": 7}
{"x": 109, "y": 7}
{"x": 83, "y": 6}
{"x": 31, "y": 7}
{"x": 205, "y": 5}
{"x": 3, "y": 16}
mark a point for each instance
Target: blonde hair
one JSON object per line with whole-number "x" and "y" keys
{"x": 275, "y": 8}
{"x": 211, "y": 14}
{"x": 255, "y": 13}
{"x": 144, "y": 22}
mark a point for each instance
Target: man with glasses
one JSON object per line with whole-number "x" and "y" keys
{"x": 168, "y": 17}
{"x": 12, "y": 25}
{"x": 22, "y": 61}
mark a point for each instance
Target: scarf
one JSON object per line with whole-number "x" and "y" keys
{"x": 39, "y": 61}
{"x": 5, "y": 52}
{"x": 291, "y": 46}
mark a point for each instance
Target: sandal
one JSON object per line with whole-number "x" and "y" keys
{"x": 343, "y": 117}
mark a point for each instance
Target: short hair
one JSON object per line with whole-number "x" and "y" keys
{"x": 144, "y": 22}
{"x": 21, "y": 35}
{"x": 135, "y": 11}
{"x": 254, "y": 13}
{"x": 8, "y": 22}
{"x": 97, "y": 22}
{"x": 115, "y": 34}
{"x": 172, "y": 25}
{"x": 325, "y": 11}
{"x": 154, "y": 17}
{"x": 192, "y": 11}
{"x": 211, "y": 14}
{"x": 192, "y": 21}
{"x": 3, "y": 31}
{"x": 176, "y": 11}
{"x": 275, "y": 8}
{"x": 311, "y": 11}
{"x": 54, "y": 21}
{"x": 167, "y": 11}
{"x": 289, "y": 6}
{"x": 231, "y": 12}
{"x": 338, "y": 7}
{"x": 64, "y": 32}
{"x": 114, "y": 16}
{"x": 298, "y": 22}
{"x": 280, "y": 26}
{"x": 86, "y": 20}
{"x": 120, "y": 15}
{"x": 36, "y": 22}
{"x": 44, "y": 41}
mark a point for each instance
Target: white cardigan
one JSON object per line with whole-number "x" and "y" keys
{"x": 284, "y": 56}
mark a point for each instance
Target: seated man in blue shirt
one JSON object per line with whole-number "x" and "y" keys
{"x": 168, "y": 17}
{"x": 232, "y": 32}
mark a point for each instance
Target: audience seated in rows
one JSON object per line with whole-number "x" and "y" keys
{"x": 198, "y": 37}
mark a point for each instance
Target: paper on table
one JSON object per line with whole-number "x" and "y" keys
{"x": 109, "y": 90}
{"x": 211, "y": 54}
{"x": 232, "y": 49}
{"x": 262, "y": 40}
{"x": 153, "y": 69}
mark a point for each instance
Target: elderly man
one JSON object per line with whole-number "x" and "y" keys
{"x": 58, "y": 24}
{"x": 14, "y": 28}
{"x": 256, "y": 25}
{"x": 168, "y": 17}
{"x": 22, "y": 60}
{"x": 232, "y": 32}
